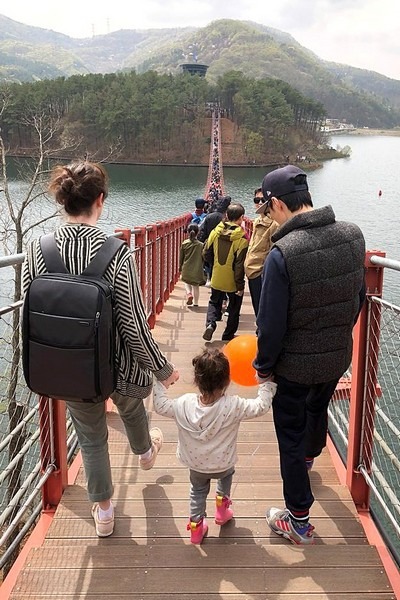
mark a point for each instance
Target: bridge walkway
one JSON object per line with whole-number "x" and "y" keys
{"x": 149, "y": 555}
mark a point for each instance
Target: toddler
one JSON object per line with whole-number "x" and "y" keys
{"x": 208, "y": 424}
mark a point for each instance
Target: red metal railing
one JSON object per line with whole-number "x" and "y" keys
{"x": 364, "y": 386}
{"x": 156, "y": 251}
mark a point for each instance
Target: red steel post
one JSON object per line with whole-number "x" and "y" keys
{"x": 152, "y": 268}
{"x": 53, "y": 450}
{"x": 126, "y": 235}
{"x": 169, "y": 234}
{"x": 140, "y": 251}
{"x": 162, "y": 240}
{"x": 363, "y": 393}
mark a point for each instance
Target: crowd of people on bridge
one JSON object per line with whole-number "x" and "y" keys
{"x": 305, "y": 273}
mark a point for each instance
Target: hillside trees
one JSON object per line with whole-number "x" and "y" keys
{"x": 150, "y": 117}
{"x": 270, "y": 108}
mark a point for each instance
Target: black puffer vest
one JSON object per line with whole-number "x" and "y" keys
{"x": 325, "y": 263}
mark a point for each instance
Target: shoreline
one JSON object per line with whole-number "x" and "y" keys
{"x": 311, "y": 166}
{"x": 365, "y": 131}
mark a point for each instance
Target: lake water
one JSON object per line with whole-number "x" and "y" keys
{"x": 141, "y": 195}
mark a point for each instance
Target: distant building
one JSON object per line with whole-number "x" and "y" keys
{"x": 195, "y": 69}
{"x": 336, "y": 126}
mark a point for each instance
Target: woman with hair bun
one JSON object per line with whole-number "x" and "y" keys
{"x": 81, "y": 189}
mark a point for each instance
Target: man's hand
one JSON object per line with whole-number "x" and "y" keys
{"x": 261, "y": 379}
{"x": 239, "y": 293}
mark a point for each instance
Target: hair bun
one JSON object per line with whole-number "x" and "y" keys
{"x": 67, "y": 185}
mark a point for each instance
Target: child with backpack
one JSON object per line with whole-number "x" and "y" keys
{"x": 191, "y": 265}
{"x": 208, "y": 423}
{"x": 199, "y": 214}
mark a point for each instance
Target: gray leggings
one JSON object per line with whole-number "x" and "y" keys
{"x": 90, "y": 424}
{"x": 200, "y": 488}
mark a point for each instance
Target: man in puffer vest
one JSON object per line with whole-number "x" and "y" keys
{"x": 225, "y": 250}
{"x": 312, "y": 292}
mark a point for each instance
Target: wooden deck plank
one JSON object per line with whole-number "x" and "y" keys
{"x": 262, "y": 491}
{"x": 185, "y": 555}
{"x": 343, "y": 530}
{"x": 218, "y": 596}
{"x": 179, "y": 508}
{"x": 147, "y": 580}
{"x": 150, "y": 556}
{"x": 246, "y": 475}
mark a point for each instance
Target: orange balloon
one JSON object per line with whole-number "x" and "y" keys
{"x": 240, "y": 352}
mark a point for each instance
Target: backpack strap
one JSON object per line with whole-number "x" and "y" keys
{"x": 96, "y": 267}
{"x": 104, "y": 256}
{"x": 51, "y": 254}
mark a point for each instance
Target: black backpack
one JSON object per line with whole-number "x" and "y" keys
{"x": 69, "y": 330}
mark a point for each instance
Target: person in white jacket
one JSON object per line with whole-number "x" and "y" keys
{"x": 208, "y": 424}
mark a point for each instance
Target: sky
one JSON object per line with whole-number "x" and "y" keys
{"x": 360, "y": 33}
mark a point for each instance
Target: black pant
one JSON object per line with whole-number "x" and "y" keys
{"x": 255, "y": 285}
{"x": 301, "y": 423}
{"x": 214, "y": 311}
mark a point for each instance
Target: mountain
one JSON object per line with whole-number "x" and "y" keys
{"x": 358, "y": 96}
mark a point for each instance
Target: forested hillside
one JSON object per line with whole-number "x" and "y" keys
{"x": 357, "y": 96}
{"x": 158, "y": 118}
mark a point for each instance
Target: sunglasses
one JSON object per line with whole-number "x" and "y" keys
{"x": 258, "y": 200}
{"x": 266, "y": 206}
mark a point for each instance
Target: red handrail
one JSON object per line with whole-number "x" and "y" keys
{"x": 364, "y": 389}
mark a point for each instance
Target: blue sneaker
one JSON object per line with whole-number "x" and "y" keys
{"x": 281, "y": 523}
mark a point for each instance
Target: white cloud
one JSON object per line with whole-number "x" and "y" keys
{"x": 361, "y": 33}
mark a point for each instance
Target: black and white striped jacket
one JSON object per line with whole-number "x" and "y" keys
{"x": 139, "y": 357}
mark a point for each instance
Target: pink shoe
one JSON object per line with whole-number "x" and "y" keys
{"x": 197, "y": 531}
{"x": 223, "y": 513}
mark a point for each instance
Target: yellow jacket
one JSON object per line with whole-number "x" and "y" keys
{"x": 226, "y": 249}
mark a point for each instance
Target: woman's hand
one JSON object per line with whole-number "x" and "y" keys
{"x": 171, "y": 379}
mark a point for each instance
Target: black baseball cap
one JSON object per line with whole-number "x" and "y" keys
{"x": 281, "y": 182}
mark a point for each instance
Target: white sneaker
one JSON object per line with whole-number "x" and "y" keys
{"x": 104, "y": 527}
{"x": 157, "y": 442}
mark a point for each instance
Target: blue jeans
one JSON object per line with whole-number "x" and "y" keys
{"x": 90, "y": 424}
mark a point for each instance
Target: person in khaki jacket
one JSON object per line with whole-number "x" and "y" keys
{"x": 259, "y": 246}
